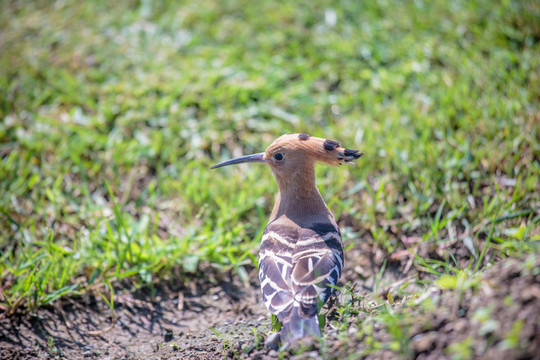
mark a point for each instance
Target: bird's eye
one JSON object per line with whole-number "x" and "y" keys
{"x": 278, "y": 156}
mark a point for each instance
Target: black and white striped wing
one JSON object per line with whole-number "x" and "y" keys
{"x": 275, "y": 268}
{"x": 317, "y": 265}
{"x": 297, "y": 269}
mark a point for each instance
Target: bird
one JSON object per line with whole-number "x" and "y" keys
{"x": 301, "y": 256}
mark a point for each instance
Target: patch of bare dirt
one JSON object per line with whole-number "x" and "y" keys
{"x": 144, "y": 322}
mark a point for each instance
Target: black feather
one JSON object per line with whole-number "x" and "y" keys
{"x": 330, "y": 144}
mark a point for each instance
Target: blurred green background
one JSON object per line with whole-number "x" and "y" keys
{"x": 112, "y": 112}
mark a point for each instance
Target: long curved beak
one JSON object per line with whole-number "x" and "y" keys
{"x": 244, "y": 159}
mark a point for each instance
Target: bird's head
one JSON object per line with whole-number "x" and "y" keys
{"x": 293, "y": 153}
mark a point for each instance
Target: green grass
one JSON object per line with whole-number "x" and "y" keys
{"x": 111, "y": 115}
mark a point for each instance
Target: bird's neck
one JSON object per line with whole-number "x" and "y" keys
{"x": 299, "y": 199}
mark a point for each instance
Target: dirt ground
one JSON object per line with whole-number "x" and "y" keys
{"x": 216, "y": 317}
{"x": 147, "y": 322}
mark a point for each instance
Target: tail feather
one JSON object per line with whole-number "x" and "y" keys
{"x": 297, "y": 327}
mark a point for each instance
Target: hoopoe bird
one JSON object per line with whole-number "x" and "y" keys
{"x": 301, "y": 254}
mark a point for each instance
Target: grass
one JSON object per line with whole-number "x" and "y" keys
{"x": 112, "y": 114}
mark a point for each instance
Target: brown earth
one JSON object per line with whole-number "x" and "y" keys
{"x": 216, "y": 317}
{"x": 144, "y": 321}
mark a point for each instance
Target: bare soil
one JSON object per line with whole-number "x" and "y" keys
{"x": 145, "y": 322}
{"x": 216, "y": 316}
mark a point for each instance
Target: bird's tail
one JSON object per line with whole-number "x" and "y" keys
{"x": 297, "y": 327}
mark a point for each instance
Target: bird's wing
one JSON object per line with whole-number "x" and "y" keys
{"x": 317, "y": 265}
{"x": 275, "y": 266}
{"x": 297, "y": 267}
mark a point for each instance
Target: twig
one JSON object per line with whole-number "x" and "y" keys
{"x": 102, "y": 331}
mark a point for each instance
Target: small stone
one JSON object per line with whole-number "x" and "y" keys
{"x": 423, "y": 342}
{"x": 530, "y": 293}
{"x": 238, "y": 345}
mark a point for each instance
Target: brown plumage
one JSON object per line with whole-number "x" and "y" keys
{"x": 301, "y": 254}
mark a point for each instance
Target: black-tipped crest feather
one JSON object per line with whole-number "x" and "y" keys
{"x": 330, "y": 145}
